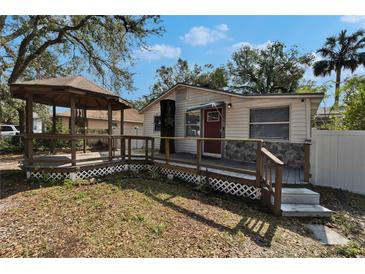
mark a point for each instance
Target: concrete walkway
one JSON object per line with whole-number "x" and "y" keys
{"x": 326, "y": 235}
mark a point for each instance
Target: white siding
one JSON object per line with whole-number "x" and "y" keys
{"x": 237, "y": 118}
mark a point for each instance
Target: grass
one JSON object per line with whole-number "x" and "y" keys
{"x": 146, "y": 216}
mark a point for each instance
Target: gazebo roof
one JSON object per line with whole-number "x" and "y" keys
{"x": 57, "y": 91}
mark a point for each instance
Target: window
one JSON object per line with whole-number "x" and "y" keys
{"x": 269, "y": 123}
{"x": 192, "y": 124}
{"x": 6, "y": 128}
{"x": 213, "y": 116}
{"x": 157, "y": 123}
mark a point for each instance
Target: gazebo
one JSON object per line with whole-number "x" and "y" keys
{"x": 77, "y": 93}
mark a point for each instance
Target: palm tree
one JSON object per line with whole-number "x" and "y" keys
{"x": 340, "y": 52}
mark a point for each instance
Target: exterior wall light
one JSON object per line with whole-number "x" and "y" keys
{"x": 229, "y": 105}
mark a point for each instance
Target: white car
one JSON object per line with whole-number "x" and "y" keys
{"x": 9, "y": 130}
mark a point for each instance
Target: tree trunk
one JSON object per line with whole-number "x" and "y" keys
{"x": 337, "y": 87}
{"x": 167, "y": 108}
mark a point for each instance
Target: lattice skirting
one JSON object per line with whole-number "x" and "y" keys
{"x": 216, "y": 184}
{"x": 48, "y": 176}
{"x": 85, "y": 174}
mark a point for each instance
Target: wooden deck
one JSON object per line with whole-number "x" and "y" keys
{"x": 290, "y": 175}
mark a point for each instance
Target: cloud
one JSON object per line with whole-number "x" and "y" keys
{"x": 158, "y": 51}
{"x": 200, "y": 36}
{"x": 239, "y": 45}
{"x": 353, "y": 19}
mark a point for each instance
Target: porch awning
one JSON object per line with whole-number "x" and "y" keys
{"x": 207, "y": 105}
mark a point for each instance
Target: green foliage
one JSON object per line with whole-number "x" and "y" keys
{"x": 354, "y": 103}
{"x": 36, "y": 47}
{"x": 351, "y": 250}
{"x": 158, "y": 229}
{"x": 68, "y": 183}
{"x": 268, "y": 70}
{"x": 340, "y": 52}
{"x": 9, "y": 145}
{"x": 204, "y": 76}
{"x": 139, "y": 218}
{"x": 310, "y": 86}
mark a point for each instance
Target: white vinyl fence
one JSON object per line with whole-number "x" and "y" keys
{"x": 338, "y": 159}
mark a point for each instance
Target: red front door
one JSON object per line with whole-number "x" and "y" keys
{"x": 212, "y": 129}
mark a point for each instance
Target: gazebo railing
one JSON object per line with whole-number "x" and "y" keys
{"x": 125, "y": 147}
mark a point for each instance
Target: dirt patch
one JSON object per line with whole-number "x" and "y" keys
{"x": 141, "y": 217}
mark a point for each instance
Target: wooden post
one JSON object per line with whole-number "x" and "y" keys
{"x": 198, "y": 155}
{"x": 110, "y": 130}
{"x": 306, "y": 166}
{"x": 85, "y": 121}
{"x": 129, "y": 148}
{"x": 122, "y": 140}
{"x": 278, "y": 186}
{"x": 29, "y": 127}
{"x": 146, "y": 149}
{"x": 167, "y": 151}
{"x": 258, "y": 163}
{"x": 73, "y": 130}
{"x": 152, "y": 149}
{"x": 53, "y": 128}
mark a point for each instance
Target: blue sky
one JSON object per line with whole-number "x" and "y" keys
{"x": 211, "y": 39}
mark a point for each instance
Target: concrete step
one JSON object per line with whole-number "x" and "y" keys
{"x": 305, "y": 210}
{"x": 299, "y": 196}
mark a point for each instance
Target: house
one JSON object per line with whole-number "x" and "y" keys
{"x": 283, "y": 121}
{"x": 325, "y": 115}
{"x": 97, "y": 123}
{"x": 37, "y": 123}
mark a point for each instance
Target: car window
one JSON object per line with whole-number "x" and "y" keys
{"x": 6, "y": 128}
{"x": 17, "y": 128}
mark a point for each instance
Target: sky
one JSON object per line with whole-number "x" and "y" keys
{"x": 212, "y": 39}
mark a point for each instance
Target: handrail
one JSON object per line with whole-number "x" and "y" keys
{"x": 209, "y": 139}
{"x": 266, "y": 177}
{"x": 271, "y": 156}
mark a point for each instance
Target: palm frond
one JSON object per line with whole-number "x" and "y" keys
{"x": 323, "y": 68}
{"x": 350, "y": 64}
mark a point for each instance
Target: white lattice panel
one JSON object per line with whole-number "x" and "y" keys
{"x": 217, "y": 184}
{"x": 187, "y": 177}
{"x": 235, "y": 188}
{"x": 45, "y": 176}
{"x": 103, "y": 171}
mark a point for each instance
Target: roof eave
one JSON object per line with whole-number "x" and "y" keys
{"x": 279, "y": 95}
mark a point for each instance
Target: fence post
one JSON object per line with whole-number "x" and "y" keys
{"x": 258, "y": 162}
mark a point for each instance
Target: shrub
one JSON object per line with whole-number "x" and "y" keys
{"x": 351, "y": 250}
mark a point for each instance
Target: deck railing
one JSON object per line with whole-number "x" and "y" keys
{"x": 266, "y": 175}
{"x": 204, "y": 168}
{"x": 270, "y": 171}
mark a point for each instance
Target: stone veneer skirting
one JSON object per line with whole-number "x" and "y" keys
{"x": 291, "y": 154}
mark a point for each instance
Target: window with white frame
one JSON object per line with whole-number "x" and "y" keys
{"x": 270, "y": 123}
{"x": 192, "y": 124}
{"x": 157, "y": 123}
